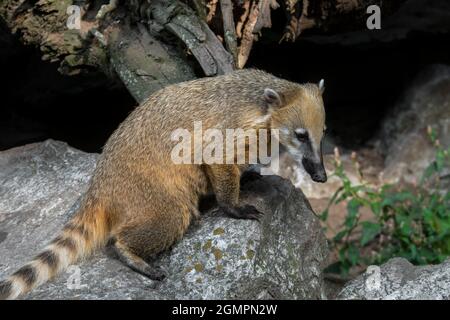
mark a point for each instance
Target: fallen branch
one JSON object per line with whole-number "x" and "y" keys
{"x": 200, "y": 8}
{"x": 229, "y": 29}
{"x": 212, "y": 7}
{"x": 265, "y": 9}
{"x": 248, "y": 35}
{"x": 294, "y": 12}
{"x": 143, "y": 63}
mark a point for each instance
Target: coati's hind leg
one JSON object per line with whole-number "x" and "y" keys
{"x": 135, "y": 262}
{"x": 149, "y": 231}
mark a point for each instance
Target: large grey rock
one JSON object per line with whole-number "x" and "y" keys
{"x": 403, "y": 137}
{"x": 398, "y": 279}
{"x": 220, "y": 257}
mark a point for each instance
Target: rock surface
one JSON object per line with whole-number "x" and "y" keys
{"x": 400, "y": 280}
{"x": 220, "y": 257}
{"x": 403, "y": 137}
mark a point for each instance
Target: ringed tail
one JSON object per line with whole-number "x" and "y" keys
{"x": 87, "y": 231}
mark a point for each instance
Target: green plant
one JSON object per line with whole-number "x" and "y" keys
{"x": 406, "y": 221}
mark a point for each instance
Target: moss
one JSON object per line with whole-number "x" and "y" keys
{"x": 73, "y": 60}
{"x": 218, "y": 231}
{"x": 197, "y": 246}
{"x": 250, "y": 254}
{"x": 207, "y": 245}
{"x": 72, "y": 41}
{"x": 218, "y": 254}
{"x": 188, "y": 269}
{"x": 198, "y": 267}
{"x": 56, "y": 5}
{"x": 219, "y": 268}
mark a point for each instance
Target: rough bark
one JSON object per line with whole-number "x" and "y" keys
{"x": 135, "y": 40}
{"x": 229, "y": 29}
{"x": 143, "y": 63}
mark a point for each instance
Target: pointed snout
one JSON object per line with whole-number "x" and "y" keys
{"x": 316, "y": 170}
{"x": 320, "y": 176}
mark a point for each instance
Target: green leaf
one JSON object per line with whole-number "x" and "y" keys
{"x": 429, "y": 171}
{"x": 375, "y": 207}
{"x": 352, "y": 212}
{"x": 392, "y": 199}
{"x": 369, "y": 231}
{"x": 324, "y": 215}
{"x": 353, "y": 254}
{"x": 341, "y": 234}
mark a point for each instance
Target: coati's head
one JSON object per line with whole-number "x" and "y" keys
{"x": 299, "y": 115}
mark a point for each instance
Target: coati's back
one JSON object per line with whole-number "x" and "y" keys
{"x": 223, "y": 101}
{"x": 228, "y": 100}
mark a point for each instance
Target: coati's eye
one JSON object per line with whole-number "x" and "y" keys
{"x": 302, "y": 135}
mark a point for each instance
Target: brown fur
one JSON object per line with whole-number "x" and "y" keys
{"x": 138, "y": 197}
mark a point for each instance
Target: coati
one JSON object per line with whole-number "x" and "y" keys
{"x": 141, "y": 203}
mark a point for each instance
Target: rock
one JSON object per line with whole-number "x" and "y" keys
{"x": 400, "y": 280}
{"x": 369, "y": 161}
{"x": 319, "y": 194}
{"x": 282, "y": 257}
{"x": 403, "y": 137}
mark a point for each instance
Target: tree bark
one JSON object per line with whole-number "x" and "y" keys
{"x": 135, "y": 43}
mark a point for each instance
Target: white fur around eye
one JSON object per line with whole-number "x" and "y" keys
{"x": 300, "y": 131}
{"x": 296, "y": 143}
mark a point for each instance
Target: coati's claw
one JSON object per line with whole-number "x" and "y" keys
{"x": 155, "y": 273}
{"x": 250, "y": 212}
{"x": 244, "y": 212}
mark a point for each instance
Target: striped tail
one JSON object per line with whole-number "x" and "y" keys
{"x": 88, "y": 230}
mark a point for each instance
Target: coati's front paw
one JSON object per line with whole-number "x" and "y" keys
{"x": 243, "y": 212}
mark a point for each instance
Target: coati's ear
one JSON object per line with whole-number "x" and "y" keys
{"x": 272, "y": 98}
{"x": 322, "y": 86}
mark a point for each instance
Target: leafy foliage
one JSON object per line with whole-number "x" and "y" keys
{"x": 410, "y": 222}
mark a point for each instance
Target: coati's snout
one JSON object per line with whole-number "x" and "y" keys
{"x": 316, "y": 170}
{"x": 308, "y": 154}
